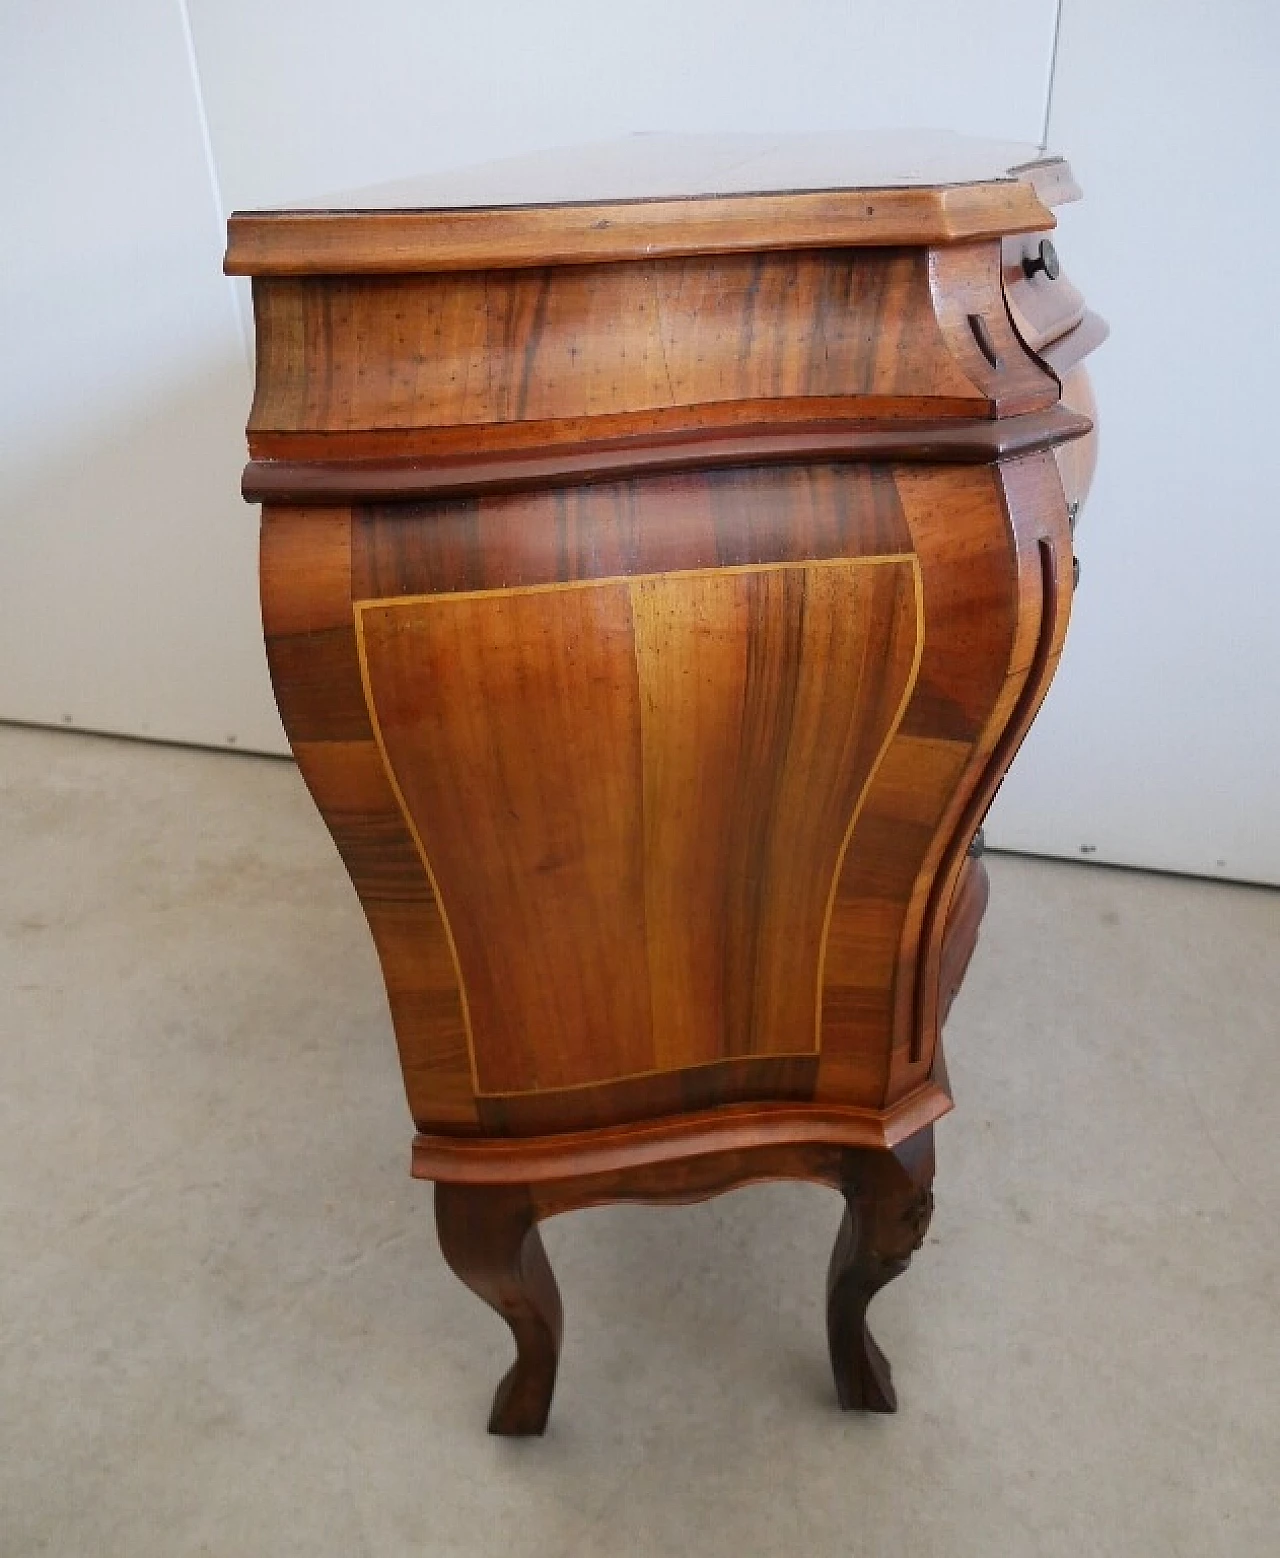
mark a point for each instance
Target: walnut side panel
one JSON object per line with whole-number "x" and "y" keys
{"x": 961, "y": 538}
{"x": 398, "y": 241}
{"x": 869, "y": 333}
{"x": 978, "y": 585}
{"x": 1035, "y": 518}
{"x": 634, "y": 795}
{"x": 655, "y": 524}
{"x": 311, "y": 650}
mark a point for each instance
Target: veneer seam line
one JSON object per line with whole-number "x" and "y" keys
{"x": 359, "y": 607}
{"x": 627, "y": 578}
{"x": 917, "y": 584}
{"x": 418, "y": 845}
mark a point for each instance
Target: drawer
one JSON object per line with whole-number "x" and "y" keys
{"x": 1042, "y": 303}
{"x": 1049, "y": 314}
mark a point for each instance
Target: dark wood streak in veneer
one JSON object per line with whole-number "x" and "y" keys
{"x": 655, "y": 594}
{"x": 1003, "y": 754}
{"x": 643, "y": 837}
{"x": 349, "y": 353}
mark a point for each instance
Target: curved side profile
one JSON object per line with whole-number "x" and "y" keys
{"x": 655, "y": 596}
{"x": 491, "y": 1241}
{"x": 889, "y": 1201}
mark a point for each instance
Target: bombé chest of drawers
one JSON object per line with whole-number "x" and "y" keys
{"x": 665, "y": 548}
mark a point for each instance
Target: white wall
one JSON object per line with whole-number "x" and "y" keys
{"x": 1160, "y": 742}
{"x": 306, "y": 96}
{"x": 127, "y": 561}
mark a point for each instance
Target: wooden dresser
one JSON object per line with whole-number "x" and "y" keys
{"x": 665, "y": 548}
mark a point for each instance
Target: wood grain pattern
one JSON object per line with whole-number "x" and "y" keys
{"x": 542, "y": 345}
{"x": 394, "y": 242}
{"x": 1031, "y": 494}
{"x": 762, "y": 514}
{"x": 488, "y": 1234}
{"x": 955, "y": 524}
{"x": 492, "y": 1243}
{"x": 369, "y": 240}
{"x": 650, "y": 1148}
{"x": 970, "y": 591}
{"x": 964, "y": 917}
{"x": 638, "y": 792}
{"x": 965, "y": 285}
{"x": 655, "y": 595}
{"x": 731, "y": 517}
{"x": 961, "y": 537}
{"x": 1035, "y": 522}
{"x": 311, "y": 649}
{"x": 888, "y": 1204}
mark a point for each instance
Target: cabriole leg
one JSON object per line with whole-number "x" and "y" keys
{"x": 489, "y": 1237}
{"x": 889, "y": 1200}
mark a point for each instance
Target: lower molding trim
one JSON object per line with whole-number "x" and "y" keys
{"x": 537, "y": 1160}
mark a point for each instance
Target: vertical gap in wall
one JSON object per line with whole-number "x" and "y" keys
{"x": 1053, "y": 71}
{"x": 215, "y": 183}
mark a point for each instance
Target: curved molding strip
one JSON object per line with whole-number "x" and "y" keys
{"x": 532, "y": 1160}
{"x": 977, "y": 442}
{"x": 354, "y": 242}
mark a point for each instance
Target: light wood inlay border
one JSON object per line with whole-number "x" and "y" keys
{"x": 359, "y": 607}
{"x": 803, "y": 564}
{"x": 409, "y": 823}
{"x": 890, "y": 735}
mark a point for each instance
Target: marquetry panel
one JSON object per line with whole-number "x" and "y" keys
{"x": 656, "y": 591}
{"x": 699, "y": 1024}
{"x": 634, "y": 795}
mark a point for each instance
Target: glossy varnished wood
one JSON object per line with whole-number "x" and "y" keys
{"x": 422, "y": 464}
{"x": 958, "y": 527}
{"x": 656, "y": 591}
{"x": 642, "y": 1146}
{"x": 541, "y": 346}
{"x": 649, "y": 744}
{"x": 308, "y": 243}
{"x": 491, "y": 1241}
{"x": 647, "y": 196}
{"x": 488, "y": 1234}
{"x": 888, "y": 1204}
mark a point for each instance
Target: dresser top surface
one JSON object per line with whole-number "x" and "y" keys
{"x": 688, "y": 167}
{"x": 645, "y": 195}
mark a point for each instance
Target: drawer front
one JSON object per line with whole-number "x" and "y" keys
{"x": 1046, "y": 309}
{"x": 1042, "y": 302}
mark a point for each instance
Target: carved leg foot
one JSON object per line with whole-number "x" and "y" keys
{"x": 888, "y": 1204}
{"x": 489, "y": 1237}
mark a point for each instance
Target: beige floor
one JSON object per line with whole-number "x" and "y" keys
{"x": 225, "y": 1328}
